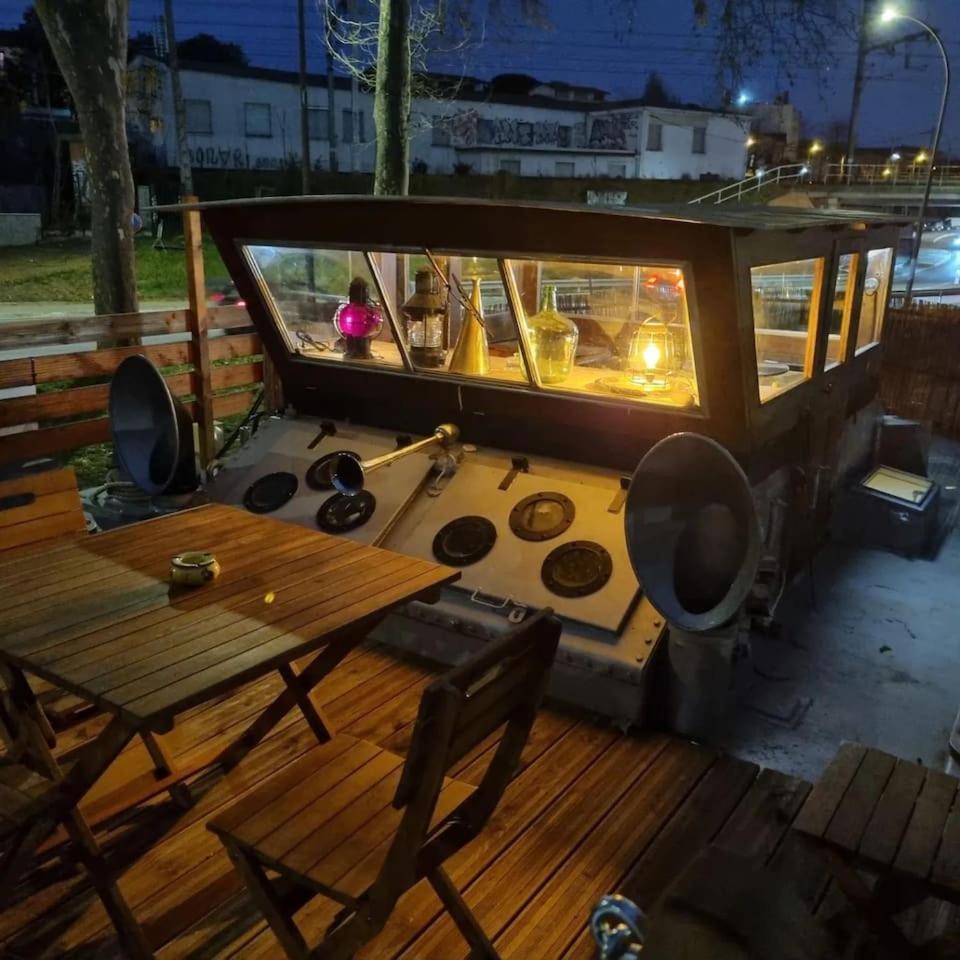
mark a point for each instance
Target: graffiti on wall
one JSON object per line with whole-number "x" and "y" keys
{"x": 234, "y": 158}
{"x": 609, "y": 132}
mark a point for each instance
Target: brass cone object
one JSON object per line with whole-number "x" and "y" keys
{"x": 470, "y": 354}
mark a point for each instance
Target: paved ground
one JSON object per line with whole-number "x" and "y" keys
{"x": 870, "y": 654}
{"x": 41, "y": 310}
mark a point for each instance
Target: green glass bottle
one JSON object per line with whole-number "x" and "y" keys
{"x": 553, "y": 339}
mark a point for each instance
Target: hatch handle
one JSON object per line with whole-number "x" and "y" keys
{"x": 489, "y": 599}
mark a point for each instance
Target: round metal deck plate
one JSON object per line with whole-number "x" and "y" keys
{"x": 341, "y": 514}
{"x": 270, "y": 492}
{"x": 320, "y": 472}
{"x": 542, "y": 516}
{"x": 576, "y": 569}
{"x": 464, "y": 541}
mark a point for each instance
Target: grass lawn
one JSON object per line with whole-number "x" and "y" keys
{"x": 60, "y": 270}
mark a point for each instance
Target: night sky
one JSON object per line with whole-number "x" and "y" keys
{"x": 584, "y": 42}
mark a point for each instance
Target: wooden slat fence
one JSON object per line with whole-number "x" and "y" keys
{"x": 54, "y": 374}
{"x": 920, "y": 375}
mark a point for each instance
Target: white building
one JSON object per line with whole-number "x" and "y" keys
{"x": 248, "y": 117}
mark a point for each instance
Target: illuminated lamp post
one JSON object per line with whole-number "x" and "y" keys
{"x": 890, "y": 14}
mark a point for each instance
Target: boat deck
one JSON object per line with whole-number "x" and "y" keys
{"x": 592, "y": 812}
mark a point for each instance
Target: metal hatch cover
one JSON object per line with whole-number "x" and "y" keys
{"x": 513, "y": 566}
{"x": 283, "y": 445}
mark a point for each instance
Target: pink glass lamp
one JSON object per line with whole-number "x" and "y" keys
{"x": 358, "y": 321}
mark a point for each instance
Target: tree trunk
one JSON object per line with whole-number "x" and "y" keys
{"x": 392, "y": 101}
{"x": 89, "y": 40}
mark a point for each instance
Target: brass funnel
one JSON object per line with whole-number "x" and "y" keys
{"x": 470, "y": 354}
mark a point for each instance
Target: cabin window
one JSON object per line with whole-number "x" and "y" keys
{"x": 608, "y": 329}
{"x": 454, "y": 314}
{"x": 841, "y": 310}
{"x": 873, "y": 301}
{"x": 786, "y": 300}
{"x": 327, "y": 303}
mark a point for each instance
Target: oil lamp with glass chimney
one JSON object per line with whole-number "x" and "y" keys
{"x": 650, "y": 355}
{"x": 425, "y": 314}
{"x": 358, "y": 321}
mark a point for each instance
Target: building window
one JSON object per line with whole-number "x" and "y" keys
{"x": 484, "y": 131}
{"x": 699, "y": 139}
{"x": 615, "y": 169}
{"x": 199, "y": 116}
{"x": 564, "y": 136}
{"x": 510, "y": 166}
{"x": 564, "y": 168}
{"x": 348, "y": 126}
{"x": 786, "y": 304}
{"x": 318, "y": 122}
{"x": 654, "y": 135}
{"x": 256, "y": 117}
{"x": 440, "y": 131}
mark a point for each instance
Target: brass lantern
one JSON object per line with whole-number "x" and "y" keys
{"x": 425, "y": 318}
{"x": 651, "y": 354}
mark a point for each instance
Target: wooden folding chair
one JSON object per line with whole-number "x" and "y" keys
{"x": 357, "y": 825}
{"x": 35, "y": 508}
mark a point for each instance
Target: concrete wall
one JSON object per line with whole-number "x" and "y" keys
{"x": 19, "y": 229}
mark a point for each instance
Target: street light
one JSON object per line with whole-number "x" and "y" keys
{"x": 888, "y": 15}
{"x": 743, "y": 99}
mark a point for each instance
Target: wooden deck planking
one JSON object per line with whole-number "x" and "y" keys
{"x": 589, "y": 809}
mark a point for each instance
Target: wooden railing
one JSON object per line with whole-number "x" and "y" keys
{"x": 63, "y": 394}
{"x": 920, "y": 375}
{"x": 54, "y": 374}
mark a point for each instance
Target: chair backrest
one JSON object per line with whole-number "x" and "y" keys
{"x": 500, "y": 688}
{"x": 39, "y": 506}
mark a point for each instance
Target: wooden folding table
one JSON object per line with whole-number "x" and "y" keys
{"x": 99, "y": 618}
{"x": 873, "y": 812}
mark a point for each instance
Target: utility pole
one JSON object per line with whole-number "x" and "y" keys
{"x": 869, "y": 15}
{"x": 179, "y": 111}
{"x": 331, "y": 87}
{"x": 304, "y": 104}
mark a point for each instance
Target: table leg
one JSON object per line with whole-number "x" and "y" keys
{"x": 892, "y": 942}
{"x": 90, "y": 765}
{"x": 164, "y": 767}
{"x": 296, "y": 694}
{"x": 316, "y": 719}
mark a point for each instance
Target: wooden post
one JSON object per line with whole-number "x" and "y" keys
{"x": 197, "y": 325}
{"x": 273, "y": 399}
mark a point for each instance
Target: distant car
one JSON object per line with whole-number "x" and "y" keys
{"x": 664, "y": 287}
{"x": 223, "y": 293}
